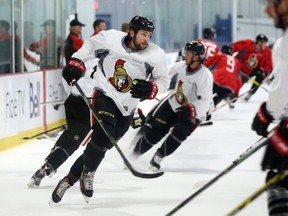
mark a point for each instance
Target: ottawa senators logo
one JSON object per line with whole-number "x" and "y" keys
{"x": 252, "y": 61}
{"x": 180, "y": 97}
{"x": 121, "y": 81}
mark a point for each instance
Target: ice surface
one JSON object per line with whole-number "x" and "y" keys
{"x": 206, "y": 153}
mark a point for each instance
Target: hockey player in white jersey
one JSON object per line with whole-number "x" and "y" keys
{"x": 182, "y": 111}
{"x": 275, "y": 108}
{"x": 121, "y": 79}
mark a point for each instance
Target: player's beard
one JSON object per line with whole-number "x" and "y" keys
{"x": 139, "y": 46}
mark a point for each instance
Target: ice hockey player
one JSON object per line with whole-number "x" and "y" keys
{"x": 211, "y": 47}
{"x": 121, "y": 81}
{"x": 254, "y": 57}
{"x": 226, "y": 71}
{"x": 275, "y": 108}
{"x": 182, "y": 111}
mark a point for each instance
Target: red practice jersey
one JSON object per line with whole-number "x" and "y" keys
{"x": 250, "y": 57}
{"x": 226, "y": 71}
{"x": 211, "y": 48}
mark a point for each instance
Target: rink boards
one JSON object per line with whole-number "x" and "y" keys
{"x": 26, "y": 105}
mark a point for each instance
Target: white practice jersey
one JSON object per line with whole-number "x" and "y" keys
{"x": 195, "y": 88}
{"x": 118, "y": 66}
{"x": 277, "y": 102}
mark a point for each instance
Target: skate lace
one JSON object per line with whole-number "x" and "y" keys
{"x": 88, "y": 180}
{"x": 63, "y": 186}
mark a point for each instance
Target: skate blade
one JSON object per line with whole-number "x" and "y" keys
{"x": 153, "y": 168}
{"x": 32, "y": 183}
{"x": 86, "y": 198}
{"x": 51, "y": 202}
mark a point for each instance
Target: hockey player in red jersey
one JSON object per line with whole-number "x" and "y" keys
{"x": 275, "y": 108}
{"x": 226, "y": 71}
{"x": 261, "y": 72}
{"x": 182, "y": 111}
{"x": 249, "y": 53}
{"x": 121, "y": 80}
{"x": 211, "y": 47}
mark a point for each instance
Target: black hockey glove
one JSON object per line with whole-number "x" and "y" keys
{"x": 138, "y": 119}
{"x": 74, "y": 70}
{"x": 262, "y": 120}
{"x": 276, "y": 154}
{"x": 259, "y": 72}
{"x": 144, "y": 89}
{"x": 186, "y": 112}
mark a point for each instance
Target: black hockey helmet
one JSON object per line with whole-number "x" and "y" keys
{"x": 261, "y": 37}
{"x": 209, "y": 33}
{"x": 196, "y": 48}
{"x": 227, "y": 49}
{"x": 141, "y": 23}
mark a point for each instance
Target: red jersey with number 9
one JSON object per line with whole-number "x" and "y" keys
{"x": 226, "y": 71}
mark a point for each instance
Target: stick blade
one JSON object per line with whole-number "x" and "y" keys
{"x": 146, "y": 175}
{"x": 206, "y": 123}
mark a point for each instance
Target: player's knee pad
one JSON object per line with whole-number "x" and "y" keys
{"x": 100, "y": 138}
{"x": 277, "y": 200}
{"x": 277, "y": 196}
{"x": 57, "y": 157}
{"x": 155, "y": 131}
{"x": 182, "y": 130}
{"x": 71, "y": 139}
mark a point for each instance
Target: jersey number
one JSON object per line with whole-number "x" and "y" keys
{"x": 230, "y": 64}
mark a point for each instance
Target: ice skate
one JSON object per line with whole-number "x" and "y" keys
{"x": 248, "y": 96}
{"x": 231, "y": 104}
{"x": 45, "y": 170}
{"x": 86, "y": 185}
{"x": 60, "y": 190}
{"x": 155, "y": 162}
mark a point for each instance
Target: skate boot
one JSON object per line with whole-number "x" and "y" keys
{"x": 155, "y": 161}
{"x": 231, "y": 104}
{"x": 248, "y": 96}
{"x": 45, "y": 170}
{"x": 86, "y": 184}
{"x": 60, "y": 190}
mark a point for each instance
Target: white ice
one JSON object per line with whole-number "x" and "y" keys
{"x": 206, "y": 153}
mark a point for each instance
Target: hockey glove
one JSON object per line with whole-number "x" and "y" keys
{"x": 144, "y": 89}
{"x": 262, "y": 120}
{"x": 186, "y": 112}
{"x": 276, "y": 154}
{"x": 138, "y": 119}
{"x": 73, "y": 71}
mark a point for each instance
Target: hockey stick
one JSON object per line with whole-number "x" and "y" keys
{"x": 44, "y": 132}
{"x": 58, "y": 101}
{"x": 113, "y": 141}
{"x": 53, "y": 102}
{"x": 277, "y": 178}
{"x": 252, "y": 149}
{"x": 250, "y": 79}
{"x": 206, "y": 123}
{"x": 232, "y": 100}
